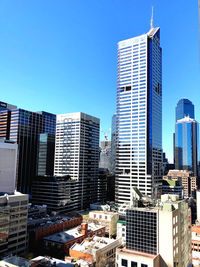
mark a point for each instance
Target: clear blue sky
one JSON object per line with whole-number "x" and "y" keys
{"x": 60, "y": 56}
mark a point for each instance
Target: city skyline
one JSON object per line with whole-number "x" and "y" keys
{"x": 47, "y": 59}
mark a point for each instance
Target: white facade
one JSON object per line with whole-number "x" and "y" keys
{"x": 77, "y": 154}
{"x": 8, "y": 161}
{"x": 121, "y": 231}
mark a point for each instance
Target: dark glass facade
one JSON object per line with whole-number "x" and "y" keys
{"x": 187, "y": 145}
{"x": 184, "y": 108}
{"x": 46, "y": 154}
{"x": 24, "y": 127}
{"x": 141, "y": 231}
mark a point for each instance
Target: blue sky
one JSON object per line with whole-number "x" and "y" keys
{"x": 60, "y": 56}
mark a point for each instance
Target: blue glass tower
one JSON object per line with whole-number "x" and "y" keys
{"x": 184, "y": 108}
{"x": 139, "y": 115}
{"x": 187, "y": 145}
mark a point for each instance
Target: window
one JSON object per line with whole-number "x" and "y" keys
{"x": 134, "y": 264}
{"x": 124, "y": 263}
{"x": 144, "y": 265}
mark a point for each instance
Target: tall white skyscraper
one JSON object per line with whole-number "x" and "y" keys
{"x": 139, "y": 115}
{"x": 77, "y": 154}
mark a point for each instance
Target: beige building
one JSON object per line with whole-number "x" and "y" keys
{"x": 13, "y": 223}
{"x": 99, "y": 251}
{"x": 104, "y": 218}
{"x": 131, "y": 258}
{"x": 185, "y": 178}
{"x": 162, "y": 231}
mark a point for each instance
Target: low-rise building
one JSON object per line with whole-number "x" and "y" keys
{"x": 186, "y": 179}
{"x": 99, "y": 250}
{"x": 104, "y": 218}
{"x": 130, "y": 258}
{"x": 39, "y": 226}
{"x": 64, "y": 240}
{"x": 196, "y": 245}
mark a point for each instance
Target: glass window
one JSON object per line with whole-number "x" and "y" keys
{"x": 124, "y": 262}
{"x": 134, "y": 264}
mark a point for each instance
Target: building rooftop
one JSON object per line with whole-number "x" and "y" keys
{"x": 91, "y": 246}
{"x": 47, "y": 261}
{"x": 133, "y": 252}
{"x": 14, "y": 261}
{"x": 38, "y": 222}
{"x": 68, "y": 235}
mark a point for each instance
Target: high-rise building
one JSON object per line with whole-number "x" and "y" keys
{"x": 77, "y": 153}
{"x": 6, "y": 106}
{"x": 139, "y": 115}
{"x": 24, "y": 127}
{"x": 13, "y": 205}
{"x": 13, "y": 223}
{"x": 187, "y": 145}
{"x": 184, "y": 108}
{"x": 149, "y": 229}
{"x": 46, "y": 152}
{"x": 8, "y": 163}
{"x": 113, "y": 144}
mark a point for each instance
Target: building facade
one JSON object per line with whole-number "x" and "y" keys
{"x": 8, "y": 163}
{"x": 187, "y": 145}
{"x": 24, "y": 128}
{"x": 58, "y": 193}
{"x": 184, "y": 108}
{"x": 139, "y": 115}
{"x": 77, "y": 153}
{"x": 13, "y": 223}
{"x": 148, "y": 230}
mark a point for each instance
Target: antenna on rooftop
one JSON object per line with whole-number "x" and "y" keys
{"x": 152, "y": 19}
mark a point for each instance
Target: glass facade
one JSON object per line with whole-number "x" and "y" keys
{"x": 184, "y": 108}
{"x": 46, "y": 154}
{"x": 141, "y": 231}
{"x": 187, "y": 145}
{"x": 24, "y": 127}
{"x": 139, "y": 115}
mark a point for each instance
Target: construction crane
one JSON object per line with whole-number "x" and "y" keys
{"x": 105, "y": 135}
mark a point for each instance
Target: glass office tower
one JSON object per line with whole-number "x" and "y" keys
{"x": 184, "y": 108}
{"x": 187, "y": 145}
{"x": 24, "y": 127}
{"x": 139, "y": 115}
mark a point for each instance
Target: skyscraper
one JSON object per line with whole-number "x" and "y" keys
{"x": 139, "y": 115}
{"x": 77, "y": 153}
{"x": 184, "y": 108}
{"x": 24, "y": 127}
{"x": 187, "y": 145}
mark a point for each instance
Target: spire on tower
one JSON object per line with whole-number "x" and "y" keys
{"x": 152, "y": 19}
